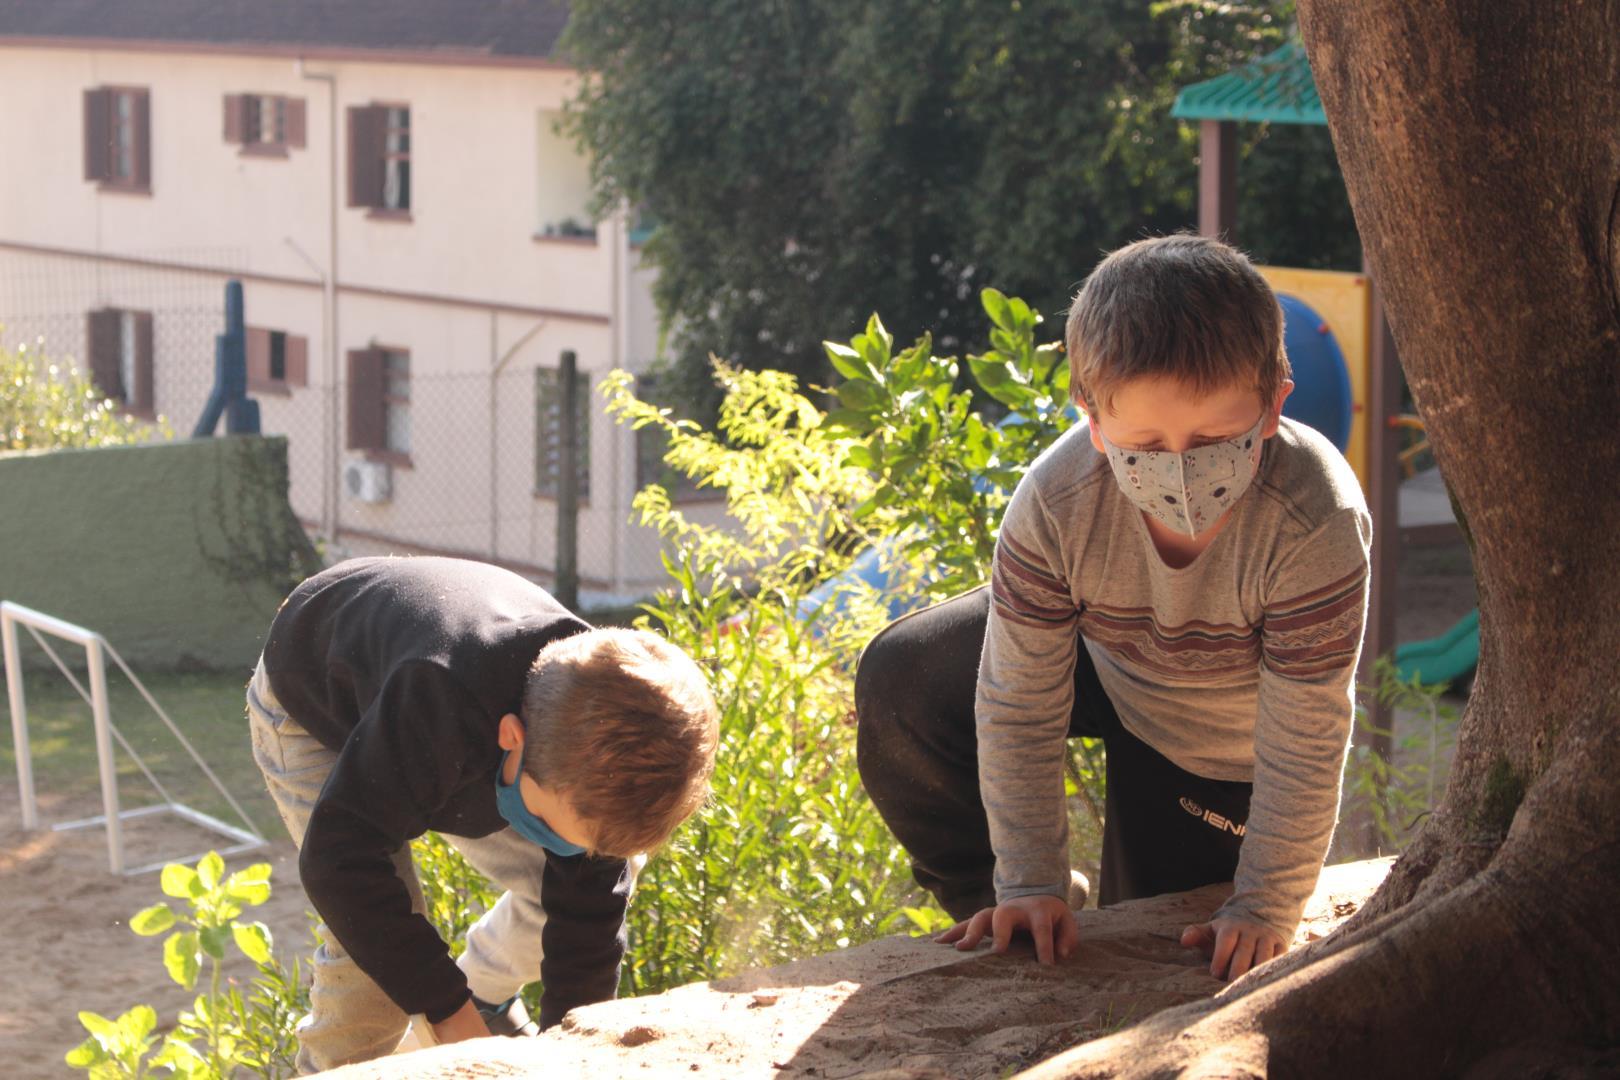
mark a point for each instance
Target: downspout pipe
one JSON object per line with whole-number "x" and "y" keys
{"x": 332, "y": 439}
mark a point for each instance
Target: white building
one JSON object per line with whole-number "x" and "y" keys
{"x": 412, "y": 235}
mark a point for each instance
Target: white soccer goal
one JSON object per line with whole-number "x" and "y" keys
{"x": 96, "y": 649}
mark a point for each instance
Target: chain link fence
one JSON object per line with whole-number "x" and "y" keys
{"x": 444, "y": 451}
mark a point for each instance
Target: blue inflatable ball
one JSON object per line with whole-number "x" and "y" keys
{"x": 1322, "y": 396}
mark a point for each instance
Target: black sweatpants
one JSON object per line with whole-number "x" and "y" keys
{"x": 1165, "y": 829}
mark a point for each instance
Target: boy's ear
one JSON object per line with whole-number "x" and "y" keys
{"x": 510, "y": 733}
{"x": 1091, "y": 425}
{"x": 1274, "y": 414}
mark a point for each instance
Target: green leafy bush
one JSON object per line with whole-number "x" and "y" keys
{"x": 224, "y": 1031}
{"x": 47, "y": 406}
{"x": 789, "y": 857}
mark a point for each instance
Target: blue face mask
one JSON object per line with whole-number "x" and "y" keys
{"x": 509, "y": 800}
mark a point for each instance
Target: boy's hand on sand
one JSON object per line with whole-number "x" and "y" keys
{"x": 464, "y": 1023}
{"x": 1047, "y": 919}
{"x": 1234, "y": 945}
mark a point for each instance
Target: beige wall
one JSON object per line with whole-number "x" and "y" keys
{"x": 481, "y": 175}
{"x": 482, "y": 290}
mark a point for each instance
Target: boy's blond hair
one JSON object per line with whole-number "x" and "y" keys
{"x": 623, "y": 725}
{"x": 1182, "y": 307}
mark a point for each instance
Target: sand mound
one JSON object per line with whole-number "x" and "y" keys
{"x": 892, "y": 1009}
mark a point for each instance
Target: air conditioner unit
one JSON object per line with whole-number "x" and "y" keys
{"x": 368, "y": 481}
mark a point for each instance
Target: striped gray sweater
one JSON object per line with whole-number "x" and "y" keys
{"x": 1239, "y": 666}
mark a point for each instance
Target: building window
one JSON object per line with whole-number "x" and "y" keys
{"x": 276, "y": 361}
{"x": 397, "y": 402}
{"x": 118, "y": 138}
{"x": 380, "y": 159}
{"x": 380, "y": 403}
{"x": 564, "y": 192}
{"x": 264, "y": 124}
{"x": 397, "y": 161}
{"x": 120, "y": 354}
{"x": 548, "y": 431}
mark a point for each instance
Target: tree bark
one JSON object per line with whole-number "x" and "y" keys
{"x": 1480, "y": 143}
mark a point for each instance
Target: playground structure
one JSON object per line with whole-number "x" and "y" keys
{"x": 1347, "y": 374}
{"x": 97, "y": 648}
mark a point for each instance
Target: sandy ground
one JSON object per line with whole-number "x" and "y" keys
{"x": 68, "y": 943}
{"x": 896, "y": 1007}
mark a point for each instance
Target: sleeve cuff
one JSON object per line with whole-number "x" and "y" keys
{"x": 440, "y": 1011}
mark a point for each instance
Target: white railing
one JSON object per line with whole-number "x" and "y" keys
{"x": 96, "y": 649}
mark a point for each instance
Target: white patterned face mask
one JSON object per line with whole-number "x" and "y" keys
{"x": 1188, "y": 491}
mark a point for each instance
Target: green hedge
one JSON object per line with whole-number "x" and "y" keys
{"x": 178, "y": 553}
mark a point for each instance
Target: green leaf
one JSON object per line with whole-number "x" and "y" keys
{"x": 212, "y": 940}
{"x": 254, "y": 941}
{"x": 860, "y": 395}
{"x": 139, "y": 1022}
{"x": 180, "y": 958}
{"x": 862, "y": 456}
{"x": 874, "y": 347}
{"x": 181, "y": 1058}
{"x": 856, "y": 423}
{"x": 990, "y": 374}
{"x": 86, "y": 1054}
{"x": 153, "y": 920}
{"x": 846, "y": 360}
{"x": 210, "y": 868}
{"x": 996, "y": 306}
{"x": 180, "y": 881}
{"x": 1023, "y": 318}
{"x": 99, "y": 1026}
{"x": 879, "y": 333}
{"x": 250, "y": 886}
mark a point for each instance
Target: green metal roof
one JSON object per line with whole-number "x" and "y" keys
{"x": 1277, "y": 87}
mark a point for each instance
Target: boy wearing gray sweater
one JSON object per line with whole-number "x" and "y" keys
{"x": 1183, "y": 576}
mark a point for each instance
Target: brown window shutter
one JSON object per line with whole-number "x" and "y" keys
{"x": 144, "y": 399}
{"x": 142, "y": 114}
{"x": 293, "y": 122}
{"x": 97, "y": 134}
{"x": 102, "y": 345}
{"x": 367, "y": 130}
{"x": 258, "y": 357}
{"x": 368, "y": 412}
{"x": 297, "y": 361}
{"x": 233, "y": 118}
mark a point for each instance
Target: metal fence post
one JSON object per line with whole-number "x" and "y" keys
{"x": 104, "y": 755}
{"x": 19, "y": 723}
{"x": 567, "y": 589}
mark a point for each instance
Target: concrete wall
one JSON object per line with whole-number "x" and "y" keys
{"x": 178, "y": 553}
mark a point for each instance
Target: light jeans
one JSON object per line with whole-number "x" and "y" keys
{"x": 350, "y": 1018}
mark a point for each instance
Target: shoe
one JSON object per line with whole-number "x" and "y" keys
{"x": 1079, "y": 890}
{"x": 510, "y": 1017}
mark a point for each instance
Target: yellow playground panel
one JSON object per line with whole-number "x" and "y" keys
{"x": 1344, "y": 300}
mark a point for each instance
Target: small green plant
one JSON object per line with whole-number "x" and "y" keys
{"x": 224, "y": 1031}
{"x": 1398, "y": 792}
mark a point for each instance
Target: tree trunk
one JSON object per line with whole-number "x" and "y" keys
{"x": 1480, "y": 144}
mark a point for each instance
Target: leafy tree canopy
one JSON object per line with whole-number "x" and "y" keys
{"x": 809, "y": 161}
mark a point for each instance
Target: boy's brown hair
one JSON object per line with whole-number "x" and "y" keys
{"x": 623, "y": 725}
{"x": 1184, "y": 307}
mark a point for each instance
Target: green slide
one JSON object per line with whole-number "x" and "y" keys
{"x": 1446, "y": 658}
